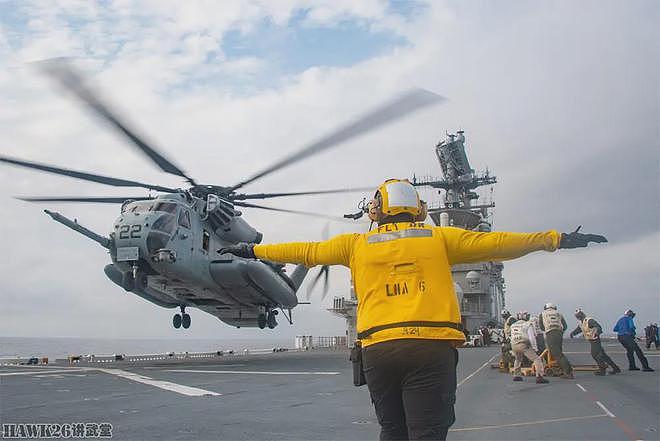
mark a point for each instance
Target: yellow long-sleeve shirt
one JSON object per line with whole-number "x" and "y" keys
{"x": 402, "y": 272}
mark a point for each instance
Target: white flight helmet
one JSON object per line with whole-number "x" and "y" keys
{"x": 549, "y": 306}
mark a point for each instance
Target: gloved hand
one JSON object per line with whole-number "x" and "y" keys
{"x": 242, "y": 249}
{"x": 579, "y": 240}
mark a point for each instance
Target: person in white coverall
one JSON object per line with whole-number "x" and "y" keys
{"x": 523, "y": 344}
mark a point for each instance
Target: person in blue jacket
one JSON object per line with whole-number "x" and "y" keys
{"x": 625, "y": 330}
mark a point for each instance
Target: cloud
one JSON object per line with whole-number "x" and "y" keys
{"x": 559, "y": 100}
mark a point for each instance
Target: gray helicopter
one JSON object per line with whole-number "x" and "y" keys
{"x": 164, "y": 248}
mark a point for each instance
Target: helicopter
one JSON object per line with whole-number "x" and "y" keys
{"x": 163, "y": 248}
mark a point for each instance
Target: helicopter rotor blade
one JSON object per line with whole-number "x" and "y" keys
{"x": 94, "y": 200}
{"x": 385, "y": 114}
{"x": 73, "y": 81}
{"x": 115, "y": 182}
{"x": 242, "y": 197}
{"x": 284, "y": 210}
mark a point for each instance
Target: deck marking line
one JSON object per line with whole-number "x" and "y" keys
{"x": 581, "y": 388}
{"x": 199, "y": 371}
{"x": 166, "y": 385}
{"x": 52, "y": 371}
{"x": 528, "y": 423}
{"x": 477, "y": 371}
{"x": 609, "y": 414}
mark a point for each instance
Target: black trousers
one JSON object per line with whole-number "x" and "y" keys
{"x": 598, "y": 354}
{"x": 412, "y": 383}
{"x": 652, "y": 340}
{"x": 554, "y": 340}
{"x": 632, "y": 348}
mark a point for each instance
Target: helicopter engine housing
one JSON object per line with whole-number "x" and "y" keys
{"x": 227, "y": 222}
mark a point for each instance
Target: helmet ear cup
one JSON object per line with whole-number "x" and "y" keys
{"x": 375, "y": 208}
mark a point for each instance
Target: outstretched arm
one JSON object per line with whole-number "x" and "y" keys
{"x": 336, "y": 251}
{"x": 464, "y": 246}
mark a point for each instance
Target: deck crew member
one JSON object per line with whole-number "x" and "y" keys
{"x": 523, "y": 344}
{"x": 408, "y": 317}
{"x": 508, "y": 321}
{"x": 625, "y": 331}
{"x": 506, "y": 358}
{"x": 591, "y": 330}
{"x": 553, "y": 324}
{"x": 540, "y": 341}
{"x": 651, "y": 332}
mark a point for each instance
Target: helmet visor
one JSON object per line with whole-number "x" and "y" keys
{"x": 401, "y": 194}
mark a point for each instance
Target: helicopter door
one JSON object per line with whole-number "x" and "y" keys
{"x": 184, "y": 240}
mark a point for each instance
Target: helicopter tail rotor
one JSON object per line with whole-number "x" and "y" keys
{"x": 324, "y": 272}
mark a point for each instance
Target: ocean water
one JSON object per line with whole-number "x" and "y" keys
{"x": 65, "y": 346}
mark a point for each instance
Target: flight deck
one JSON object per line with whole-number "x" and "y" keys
{"x": 309, "y": 395}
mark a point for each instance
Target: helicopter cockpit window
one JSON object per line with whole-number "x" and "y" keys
{"x": 140, "y": 207}
{"x": 167, "y": 207}
{"x": 184, "y": 219}
{"x": 165, "y": 223}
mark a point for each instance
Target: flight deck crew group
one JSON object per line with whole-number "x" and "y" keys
{"x": 519, "y": 340}
{"x": 408, "y": 316}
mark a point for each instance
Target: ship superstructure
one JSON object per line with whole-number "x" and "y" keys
{"x": 480, "y": 285}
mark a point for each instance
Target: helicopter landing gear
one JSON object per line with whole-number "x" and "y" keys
{"x": 176, "y": 321}
{"x": 185, "y": 321}
{"x": 266, "y": 317}
{"x": 182, "y": 319}
{"x": 261, "y": 321}
{"x": 270, "y": 320}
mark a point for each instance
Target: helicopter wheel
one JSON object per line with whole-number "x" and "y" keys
{"x": 261, "y": 321}
{"x": 270, "y": 320}
{"x": 176, "y": 320}
{"x": 185, "y": 321}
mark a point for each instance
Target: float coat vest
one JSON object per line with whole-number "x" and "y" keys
{"x": 519, "y": 332}
{"x": 551, "y": 320}
{"x": 534, "y": 320}
{"x": 507, "y": 326}
{"x": 589, "y": 333}
{"x": 402, "y": 273}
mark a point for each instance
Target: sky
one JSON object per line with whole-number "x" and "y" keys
{"x": 560, "y": 100}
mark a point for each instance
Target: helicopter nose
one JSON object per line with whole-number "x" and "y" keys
{"x": 131, "y": 231}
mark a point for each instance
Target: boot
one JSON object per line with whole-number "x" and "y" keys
{"x": 615, "y": 370}
{"x": 633, "y": 368}
{"x": 600, "y": 372}
{"x": 541, "y": 380}
{"x": 517, "y": 378}
{"x": 648, "y": 369}
{"x": 568, "y": 376}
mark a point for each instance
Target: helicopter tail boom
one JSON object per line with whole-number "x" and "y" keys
{"x": 103, "y": 241}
